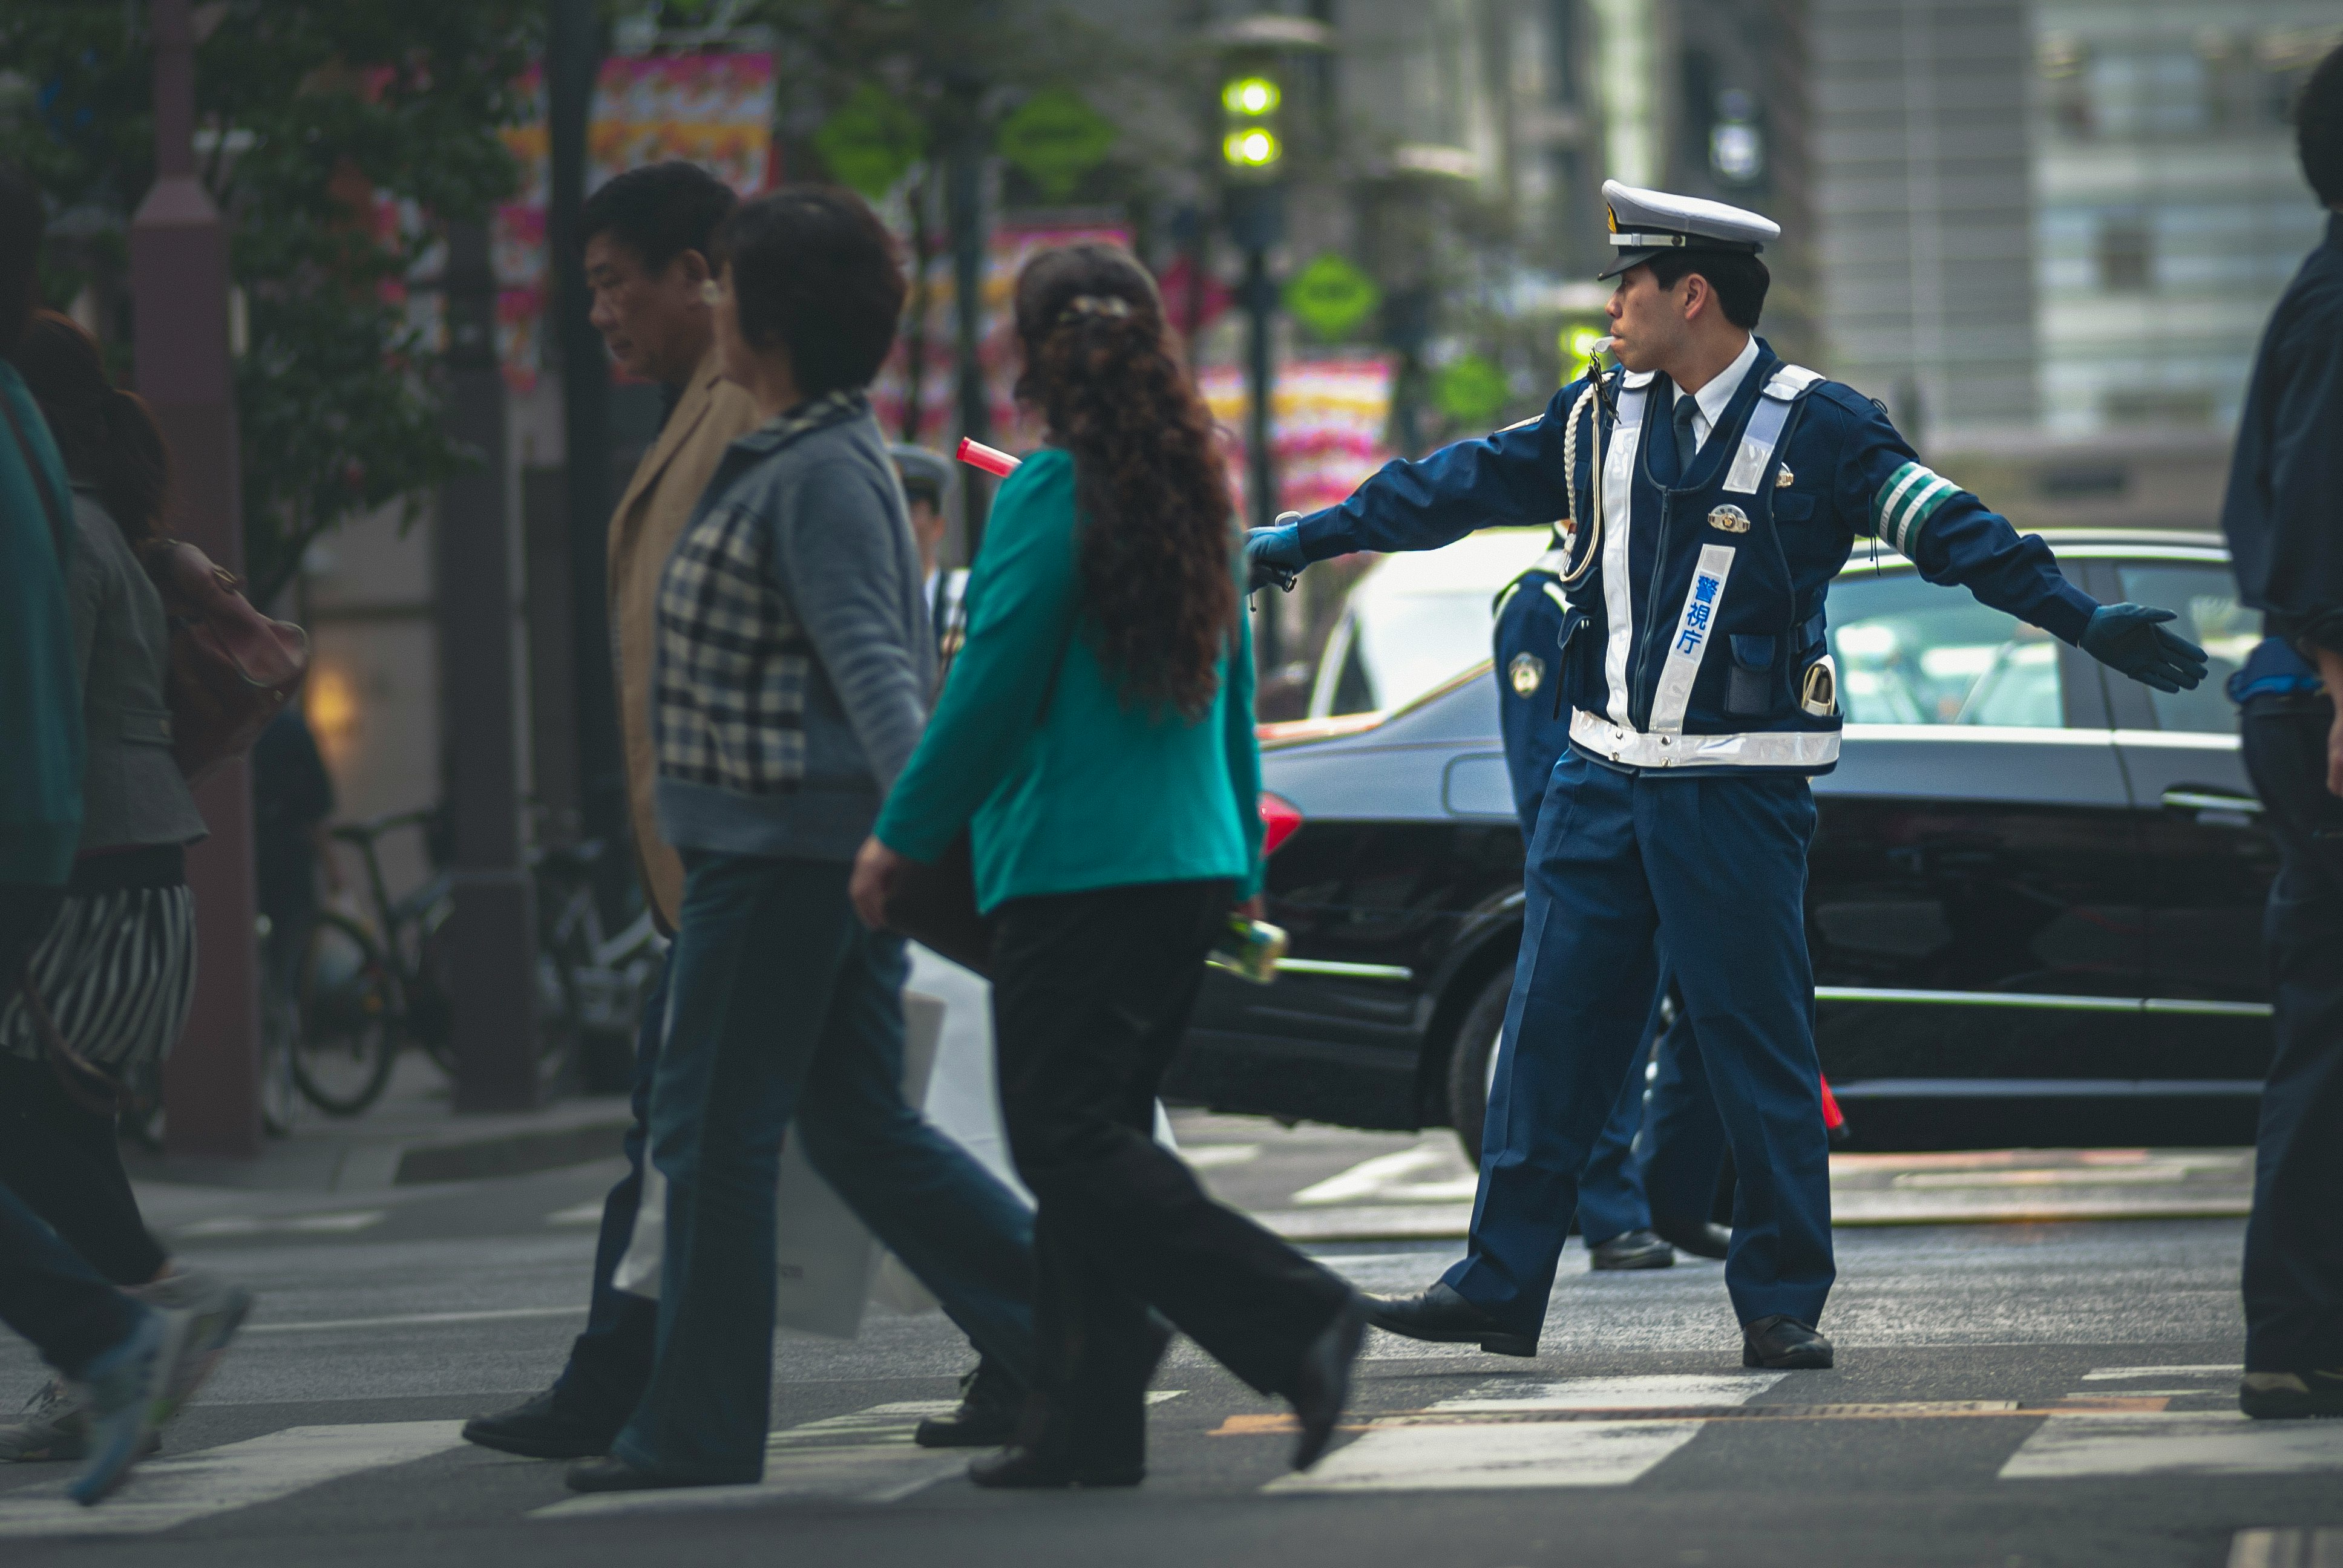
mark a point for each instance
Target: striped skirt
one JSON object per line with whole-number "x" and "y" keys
{"x": 118, "y": 973}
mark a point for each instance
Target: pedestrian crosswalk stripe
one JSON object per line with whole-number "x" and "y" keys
{"x": 2173, "y": 1443}
{"x": 1505, "y": 1454}
{"x": 2210, "y": 1436}
{"x": 2300, "y": 1548}
{"x": 865, "y": 1457}
{"x": 162, "y": 1493}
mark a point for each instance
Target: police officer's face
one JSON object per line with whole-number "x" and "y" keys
{"x": 1648, "y": 325}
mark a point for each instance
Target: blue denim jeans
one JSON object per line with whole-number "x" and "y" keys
{"x": 54, "y": 1299}
{"x": 784, "y": 1005}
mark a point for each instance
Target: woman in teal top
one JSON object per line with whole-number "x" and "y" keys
{"x": 1095, "y": 740}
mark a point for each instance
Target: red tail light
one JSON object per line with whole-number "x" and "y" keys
{"x": 1278, "y": 822}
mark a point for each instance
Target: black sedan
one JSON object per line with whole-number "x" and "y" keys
{"x": 2035, "y": 906}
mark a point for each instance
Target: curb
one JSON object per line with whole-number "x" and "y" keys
{"x": 518, "y": 1153}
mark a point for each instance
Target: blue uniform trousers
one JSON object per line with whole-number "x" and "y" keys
{"x": 1536, "y": 730}
{"x": 2294, "y": 1241}
{"x": 1682, "y": 1149}
{"x": 1713, "y": 869}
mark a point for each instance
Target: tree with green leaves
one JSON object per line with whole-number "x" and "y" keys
{"x": 317, "y": 122}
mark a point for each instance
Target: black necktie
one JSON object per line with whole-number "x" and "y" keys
{"x": 1687, "y": 444}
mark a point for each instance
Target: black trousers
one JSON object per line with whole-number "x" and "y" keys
{"x": 66, "y": 1165}
{"x": 2294, "y": 1243}
{"x": 1090, "y": 995}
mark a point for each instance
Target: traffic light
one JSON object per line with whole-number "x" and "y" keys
{"x": 1252, "y": 140}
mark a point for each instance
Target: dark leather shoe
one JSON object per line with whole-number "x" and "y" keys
{"x": 1029, "y": 1468}
{"x": 1780, "y": 1341}
{"x": 608, "y": 1475}
{"x": 991, "y": 1402}
{"x": 2292, "y": 1396}
{"x": 1322, "y": 1383}
{"x": 1632, "y": 1249}
{"x": 1444, "y": 1317}
{"x": 1701, "y": 1238}
{"x": 541, "y": 1428}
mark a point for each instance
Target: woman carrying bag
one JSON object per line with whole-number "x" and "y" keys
{"x": 1095, "y": 741}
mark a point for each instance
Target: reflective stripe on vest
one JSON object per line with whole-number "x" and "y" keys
{"x": 1804, "y": 749}
{"x": 1763, "y": 430}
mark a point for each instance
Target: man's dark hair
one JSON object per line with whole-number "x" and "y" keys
{"x": 23, "y": 222}
{"x": 2318, "y": 128}
{"x": 1739, "y": 278}
{"x": 814, "y": 270}
{"x": 661, "y": 211}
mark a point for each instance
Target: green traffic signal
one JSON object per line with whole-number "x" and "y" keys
{"x": 1254, "y": 148}
{"x": 1249, "y": 96}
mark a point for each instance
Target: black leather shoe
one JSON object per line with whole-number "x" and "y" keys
{"x": 1322, "y": 1383}
{"x": 1444, "y": 1317}
{"x": 541, "y": 1428}
{"x": 1702, "y": 1239}
{"x": 1632, "y": 1249}
{"x": 991, "y": 1401}
{"x": 1780, "y": 1341}
{"x": 608, "y": 1475}
{"x": 1030, "y": 1468}
{"x": 2292, "y": 1396}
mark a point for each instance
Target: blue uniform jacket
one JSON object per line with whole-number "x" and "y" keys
{"x": 1690, "y": 637}
{"x": 2284, "y": 511}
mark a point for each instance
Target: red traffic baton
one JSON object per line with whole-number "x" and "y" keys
{"x": 991, "y": 459}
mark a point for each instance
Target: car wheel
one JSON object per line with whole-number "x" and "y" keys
{"x": 1473, "y": 1061}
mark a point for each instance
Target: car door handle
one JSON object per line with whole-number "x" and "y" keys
{"x": 2197, "y": 798}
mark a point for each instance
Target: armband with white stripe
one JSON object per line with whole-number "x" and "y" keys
{"x": 1903, "y": 506}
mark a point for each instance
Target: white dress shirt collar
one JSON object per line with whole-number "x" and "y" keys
{"x": 1713, "y": 399}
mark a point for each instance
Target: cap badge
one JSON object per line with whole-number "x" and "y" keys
{"x": 1526, "y": 672}
{"x": 1731, "y": 519}
{"x": 1784, "y": 479}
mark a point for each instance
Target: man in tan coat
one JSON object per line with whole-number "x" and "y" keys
{"x": 649, "y": 236}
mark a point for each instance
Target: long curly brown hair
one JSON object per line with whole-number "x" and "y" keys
{"x": 1157, "y": 539}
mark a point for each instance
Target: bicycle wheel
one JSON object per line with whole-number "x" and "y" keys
{"x": 348, "y": 1035}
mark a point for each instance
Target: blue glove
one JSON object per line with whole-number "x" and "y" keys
{"x": 2126, "y": 638}
{"x": 1273, "y": 556}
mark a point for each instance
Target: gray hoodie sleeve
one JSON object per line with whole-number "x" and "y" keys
{"x": 838, "y": 559}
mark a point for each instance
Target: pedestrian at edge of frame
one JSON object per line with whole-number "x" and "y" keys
{"x": 2284, "y": 518}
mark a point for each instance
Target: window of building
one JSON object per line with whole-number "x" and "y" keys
{"x": 2125, "y": 252}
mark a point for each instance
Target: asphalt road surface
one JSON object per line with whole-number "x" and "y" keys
{"x": 2005, "y": 1395}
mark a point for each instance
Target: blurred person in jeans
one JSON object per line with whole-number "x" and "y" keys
{"x": 116, "y": 970}
{"x": 793, "y": 666}
{"x": 1095, "y": 739}
{"x": 131, "y": 1364}
{"x": 649, "y": 235}
{"x": 2284, "y": 518}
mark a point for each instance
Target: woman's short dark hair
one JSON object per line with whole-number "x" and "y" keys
{"x": 815, "y": 271}
{"x": 2318, "y": 128}
{"x": 104, "y": 434}
{"x": 1740, "y": 280}
{"x": 660, "y": 211}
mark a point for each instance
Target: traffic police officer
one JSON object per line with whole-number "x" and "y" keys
{"x": 1621, "y": 1225}
{"x": 1717, "y": 491}
{"x": 2283, "y": 518}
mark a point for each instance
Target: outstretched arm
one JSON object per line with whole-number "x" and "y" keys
{"x": 1885, "y": 491}
{"x": 1515, "y": 475}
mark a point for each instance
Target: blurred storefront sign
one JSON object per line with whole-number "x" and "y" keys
{"x": 1328, "y": 421}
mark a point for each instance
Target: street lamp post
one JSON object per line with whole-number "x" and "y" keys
{"x": 179, "y": 285}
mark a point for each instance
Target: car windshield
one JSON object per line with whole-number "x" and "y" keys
{"x": 1416, "y": 621}
{"x": 1911, "y": 653}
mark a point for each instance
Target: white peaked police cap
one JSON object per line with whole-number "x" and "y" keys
{"x": 1646, "y": 223}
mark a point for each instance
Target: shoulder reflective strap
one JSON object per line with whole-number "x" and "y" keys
{"x": 1695, "y": 622}
{"x": 1784, "y": 387}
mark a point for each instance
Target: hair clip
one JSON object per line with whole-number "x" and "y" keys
{"x": 1112, "y": 304}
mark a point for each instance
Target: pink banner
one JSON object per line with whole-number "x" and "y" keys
{"x": 1328, "y": 423}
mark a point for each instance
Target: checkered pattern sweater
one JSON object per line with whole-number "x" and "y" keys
{"x": 732, "y": 657}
